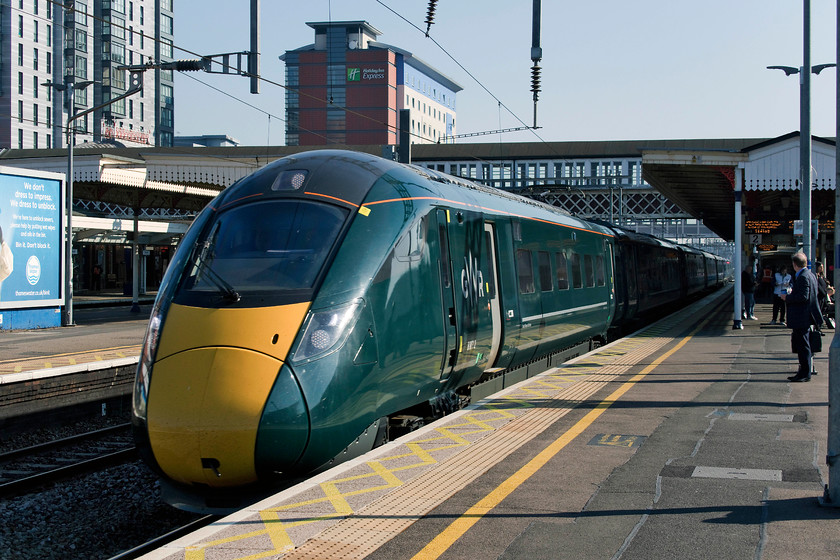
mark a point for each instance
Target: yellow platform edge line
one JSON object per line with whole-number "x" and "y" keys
{"x": 473, "y": 515}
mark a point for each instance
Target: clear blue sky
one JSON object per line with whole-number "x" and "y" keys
{"x": 611, "y": 69}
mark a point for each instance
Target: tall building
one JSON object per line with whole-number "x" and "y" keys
{"x": 348, "y": 88}
{"x": 82, "y": 41}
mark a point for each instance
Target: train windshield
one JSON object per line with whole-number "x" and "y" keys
{"x": 268, "y": 248}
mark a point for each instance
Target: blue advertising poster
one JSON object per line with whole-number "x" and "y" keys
{"x": 30, "y": 239}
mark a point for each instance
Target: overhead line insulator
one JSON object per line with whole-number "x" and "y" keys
{"x": 535, "y": 80}
{"x": 430, "y": 15}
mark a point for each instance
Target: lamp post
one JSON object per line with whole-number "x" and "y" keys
{"x": 804, "y": 72}
{"x": 69, "y": 87}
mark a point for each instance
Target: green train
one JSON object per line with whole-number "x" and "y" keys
{"x": 333, "y": 299}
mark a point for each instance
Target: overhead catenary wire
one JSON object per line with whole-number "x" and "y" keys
{"x": 298, "y": 91}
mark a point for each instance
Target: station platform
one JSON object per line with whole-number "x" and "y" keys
{"x": 685, "y": 440}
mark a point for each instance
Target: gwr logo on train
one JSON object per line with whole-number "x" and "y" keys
{"x": 472, "y": 280}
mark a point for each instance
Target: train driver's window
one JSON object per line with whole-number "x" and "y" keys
{"x": 525, "y": 271}
{"x": 577, "y": 272}
{"x": 562, "y": 271}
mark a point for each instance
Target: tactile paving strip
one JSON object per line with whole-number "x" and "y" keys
{"x": 351, "y": 516}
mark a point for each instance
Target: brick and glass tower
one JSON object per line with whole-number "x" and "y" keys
{"x": 347, "y": 88}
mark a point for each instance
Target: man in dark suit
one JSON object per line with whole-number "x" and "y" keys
{"x": 802, "y": 312}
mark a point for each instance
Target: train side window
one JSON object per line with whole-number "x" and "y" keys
{"x": 562, "y": 271}
{"x": 410, "y": 246}
{"x": 524, "y": 271}
{"x": 491, "y": 284}
{"x": 577, "y": 273}
{"x": 445, "y": 274}
{"x": 546, "y": 285}
{"x": 600, "y": 273}
{"x": 589, "y": 267}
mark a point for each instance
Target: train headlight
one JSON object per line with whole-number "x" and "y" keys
{"x": 144, "y": 367}
{"x": 326, "y": 330}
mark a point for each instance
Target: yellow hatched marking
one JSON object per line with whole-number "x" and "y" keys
{"x": 280, "y": 539}
{"x": 72, "y": 361}
{"x": 480, "y": 420}
{"x": 18, "y": 369}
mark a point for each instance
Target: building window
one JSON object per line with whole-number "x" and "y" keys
{"x": 166, "y": 5}
{"x": 20, "y": 54}
{"x": 166, "y": 24}
{"x": 20, "y": 30}
{"x": 130, "y": 109}
{"x": 49, "y": 141}
{"x": 49, "y": 121}
{"x": 81, "y": 40}
{"x": 115, "y": 30}
{"x": 49, "y": 62}
{"x": 35, "y": 140}
{"x": 35, "y": 8}
{"x": 35, "y": 59}
{"x": 36, "y": 31}
{"x": 142, "y": 111}
{"x": 81, "y": 12}
{"x": 20, "y": 111}
{"x": 166, "y": 48}
{"x": 81, "y": 67}
{"x": 35, "y": 114}
{"x": 80, "y": 97}
{"x": 20, "y": 138}
{"x": 166, "y": 117}
{"x": 49, "y": 32}
{"x": 35, "y": 87}
{"x": 166, "y": 94}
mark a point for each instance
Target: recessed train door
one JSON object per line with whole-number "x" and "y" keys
{"x": 450, "y": 323}
{"x": 493, "y": 293}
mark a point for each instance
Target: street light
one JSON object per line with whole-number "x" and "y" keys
{"x": 69, "y": 86}
{"x": 805, "y": 128}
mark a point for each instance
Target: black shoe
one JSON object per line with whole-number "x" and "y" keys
{"x": 814, "y": 372}
{"x": 799, "y": 378}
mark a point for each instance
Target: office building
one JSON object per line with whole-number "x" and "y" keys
{"x": 348, "y": 88}
{"x": 84, "y": 42}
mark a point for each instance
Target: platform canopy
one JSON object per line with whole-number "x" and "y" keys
{"x": 702, "y": 182}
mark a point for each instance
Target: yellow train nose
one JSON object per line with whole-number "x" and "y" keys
{"x": 206, "y": 400}
{"x": 204, "y": 410}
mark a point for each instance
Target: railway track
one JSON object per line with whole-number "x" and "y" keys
{"x": 25, "y": 469}
{"x": 169, "y": 537}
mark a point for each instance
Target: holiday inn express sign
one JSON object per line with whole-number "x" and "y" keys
{"x": 365, "y": 74}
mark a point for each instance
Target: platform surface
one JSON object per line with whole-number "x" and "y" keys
{"x": 683, "y": 441}
{"x": 106, "y": 330}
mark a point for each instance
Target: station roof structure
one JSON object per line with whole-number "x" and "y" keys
{"x": 698, "y": 175}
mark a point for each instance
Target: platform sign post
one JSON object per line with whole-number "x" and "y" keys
{"x": 31, "y": 234}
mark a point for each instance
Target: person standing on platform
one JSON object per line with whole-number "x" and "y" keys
{"x": 782, "y": 287}
{"x": 802, "y": 311}
{"x": 748, "y": 289}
